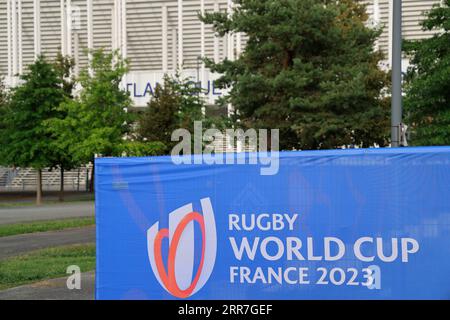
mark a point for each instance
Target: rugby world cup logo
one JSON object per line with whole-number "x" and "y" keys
{"x": 177, "y": 275}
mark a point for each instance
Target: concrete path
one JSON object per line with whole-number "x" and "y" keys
{"x": 16, "y": 245}
{"x": 54, "y": 289}
{"x": 46, "y": 212}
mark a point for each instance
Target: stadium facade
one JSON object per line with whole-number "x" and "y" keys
{"x": 157, "y": 36}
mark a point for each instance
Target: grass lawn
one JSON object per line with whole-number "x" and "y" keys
{"x": 45, "y": 264}
{"x": 41, "y": 226}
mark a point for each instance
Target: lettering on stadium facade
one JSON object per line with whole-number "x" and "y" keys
{"x": 136, "y": 91}
{"x": 141, "y": 85}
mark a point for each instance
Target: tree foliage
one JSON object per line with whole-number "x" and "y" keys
{"x": 97, "y": 120}
{"x": 64, "y": 68}
{"x": 176, "y": 103}
{"x": 427, "y": 101}
{"x": 141, "y": 148}
{"x": 158, "y": 121}
{"x": 308, "y": 68}
{"x": 24, "y": 139}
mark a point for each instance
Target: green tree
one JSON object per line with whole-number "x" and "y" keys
{"x": 142, "y": 148}
{"x": 158, "y": 121}
{"x": 97, "y": 120}
{"x": 64, "y": 67}
{"x": 427, "y": 101}
{"x": 308, "y": 69}
{"x": 64, "y": 160}
{"x": 24, "y": 140}
{"x": 177, "y": 103}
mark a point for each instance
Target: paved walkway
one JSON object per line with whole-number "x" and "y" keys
{"x": 46, "y": 212}
{"x": 54, "y": 289}
{"x": 16, "y": 245}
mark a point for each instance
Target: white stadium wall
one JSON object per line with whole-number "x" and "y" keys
{"x": 155, "y": 35}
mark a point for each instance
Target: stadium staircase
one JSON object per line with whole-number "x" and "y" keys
{"x": 23, "y": 179}
{"x": 3, "y": 176}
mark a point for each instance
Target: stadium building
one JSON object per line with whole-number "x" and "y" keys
{"x": 156, "y": 36}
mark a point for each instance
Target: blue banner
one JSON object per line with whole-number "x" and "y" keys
{"x": 345, "y": 224}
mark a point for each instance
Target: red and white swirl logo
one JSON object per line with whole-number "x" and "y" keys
{"x": 177, "y": 276}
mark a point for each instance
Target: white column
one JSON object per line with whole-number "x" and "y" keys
{"x": 174, "y": 49}
{"x": 391, "y": 21}
{"x": 118, "y": 24}
{"x": 123, "y": 35}
{"x": 63, "y": 27}
{"x": 14, "y": 39}
{"x": 113, "y": 28}
{"x": 69, "y": 27}
{"x": 19, "y": 36}
{"x": 238, "y": 43}
{"x": 376, "y": 19}
{"x": 230, "y": 46}
{"x": 180, "y": 34}
{"x": 123, "y": 7}
{"x": 165, "y": 49}
{"x": 90, "y": 26}
{"x": 76, "y": 55}
{"x": 90, "y": 32}
{"x": 9, "y": 39}
{"x": 225, "y": 45}
{"x": 230, "y": 40}
{"x": 376, "y": 11}
{"x": 216, "y": 39}
{"x": 202, "y": 45}
{"x": 202, "y": 29}
{"x": 37, "y": 27}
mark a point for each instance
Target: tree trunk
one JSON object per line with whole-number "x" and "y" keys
{"x": 39, "y": 187}
{"x": 61, "y": 188}
{"x": 91, "y": 182}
